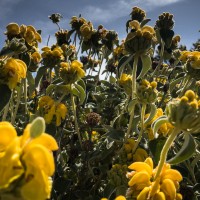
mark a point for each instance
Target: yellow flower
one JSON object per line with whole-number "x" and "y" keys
{"x": 31, "y": 36}
{"x": 140, "y": 155}
{"x": 140, "y": 38}
{"x": 120, "y": 198}
{"x": 46, "y": 107}
{"x": 164, "y": 129}
{"x": 13, "y": 71}
{"x": 126, "y": 82}
{"x": 86, "y": 30}
{"x": 143, "y": 184}
{"x": 36, "y": 57}
{"x": 70, "y": 73}
{"x": 12, "y": 29}
{"x": 27, "y": 160}
{"x": 61, "y": 111}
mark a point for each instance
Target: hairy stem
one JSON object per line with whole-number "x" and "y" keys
{"x": 142, "y": 127}
{"x": 163, "y": 155}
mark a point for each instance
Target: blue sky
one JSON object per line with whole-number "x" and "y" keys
{"x": 113, "y": 14}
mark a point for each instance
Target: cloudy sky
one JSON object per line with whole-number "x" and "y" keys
{"x": 113, "y": 14}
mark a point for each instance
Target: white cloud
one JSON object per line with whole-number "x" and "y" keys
{"x": 120, "y": 8}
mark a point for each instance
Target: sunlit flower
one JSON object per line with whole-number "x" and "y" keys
{"x": 70, "y": 73}
{"x": 61, "y": 111}
{"x": 36, "y": 57}
{"x": 13, "y": 29}
{"x": 126, "y": 82}
{"x": 142, "y": 182}
{"x": 164, "y": 129}
{"x": 28, "y": 160}
{"x": 46, "y": 107}
{"x": 13, "y": 71}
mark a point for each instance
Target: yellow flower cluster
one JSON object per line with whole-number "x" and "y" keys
{"x": 31, "y": 36}
{"x": 26, "y": 163}
{"x": 117, "y": 175}
{"x": 140, "y": 38}
{"x": 120, "y": 197}
{"x": 193, "y": 57}
{"x": 129, "y": 156}
{"x": 12, "y": 71}
{"x": 71, "y": 72}
{"x": 55, "y": 53}
{"x": 165, "y": 129}
{"x": 48, "y": 108}
{"x": 184, "y": 112}
{"x": 36, "y": 57}
{"x": 143, "y": 186}
{"x": 147, "y": 92}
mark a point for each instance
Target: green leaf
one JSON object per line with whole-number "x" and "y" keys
{"x": 112, "y": 79}
{"x": 186, "y": 150}
{"x": 123, "y": 62}
{"x": 155, "y": 147}
{"x": 146, "y": 65}
{"x": 31, "y": 82}
{"x": 50, "y": 88}
{"x": 144, "y": 22}
{"x": 82, "y": 93}
{"x": 37, "y": 127}
{"x": 5, "y": 94}
{"x": 41, "y": 71}
{"x": 115, "y": 134}
{"x": 156, "y": 125}
{"x": 174, "y": 82}
{"x": 131, "y": 105}
{"x": 152, "y": 113}
{"x": 82, "y": 84}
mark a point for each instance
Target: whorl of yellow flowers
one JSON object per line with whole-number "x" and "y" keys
{"x": 193, "y": 57}
{"x": 48, "y": 108}
{"x": 142, "y": 185}
{"x": 71, "y": 72}
{"x": 26, "y": 163}
{"x": 184, "y": 112}
{"x": 12, "y": 71}
{"x": 140, "y": 38}
{"x": 29, "y": 33}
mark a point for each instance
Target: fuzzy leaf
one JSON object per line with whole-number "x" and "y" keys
{"x": 174, "y": 82}
{"x": 39, "y": 75}
{"x": 186, "y": 150}
{"x": 156, "y": 125}
{"x": 131, "y": 105}
{"x": 82, "y": 93}
{"x": 152, "y": 113}
{"x": 146, "y": 65}
{"x": 123, "y": 62}
{"x": 37, "y": 127}
{"x": 31, "y": 82}
{"x": 144, "y": 22}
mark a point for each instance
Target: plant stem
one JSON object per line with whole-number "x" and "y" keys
{"x": 25, "y": 95}
{"x": 133, "y": 95}
{"x": 142, "y": 128}
{"x": 19, "y": 93}
{"x": 134, "y": 75}
{"x": 165, "y": 150}
{"x": 5, "y": 113}
{"x": 75, "y": 118}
